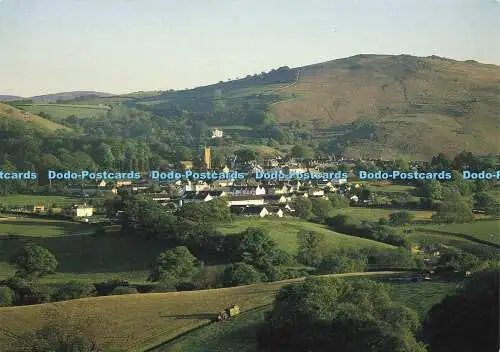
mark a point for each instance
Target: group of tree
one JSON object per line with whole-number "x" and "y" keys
{"x": 322, "y": 314}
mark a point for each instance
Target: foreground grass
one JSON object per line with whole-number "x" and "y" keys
{"x": 485, "y": 230}
{"x": 239, "y": 333}
{"x": 284, "y": 232}
{"x": 140, "y": 321}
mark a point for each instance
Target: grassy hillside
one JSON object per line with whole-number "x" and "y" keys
{"x": 284, "y": 232}
{"x": 140, "y": 321}
{"x": 10, "y": 112}
{"x": 485, "y": 230}
{"x": 420, "y": 106}
{"x": 238, "y": 334}
{"x": 61, "y": 111}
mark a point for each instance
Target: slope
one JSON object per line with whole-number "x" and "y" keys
{"x": 12, "y": 113}
{"x": 139, "y": 321}
{"x": 415, "y": 107}
{"x": 418, "y": 106}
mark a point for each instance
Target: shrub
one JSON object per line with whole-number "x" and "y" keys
{"x": 6, "y": 297}
{"x": 240, "y": 274}
{"x": 123, "y": 290}
{"x": 73, "y": 290}
{"x": 105, "y": 288}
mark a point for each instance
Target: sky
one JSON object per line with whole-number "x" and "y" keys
{"x": 122, "y": 46}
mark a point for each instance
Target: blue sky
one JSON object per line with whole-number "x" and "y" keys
{"x": 121, "y": 46}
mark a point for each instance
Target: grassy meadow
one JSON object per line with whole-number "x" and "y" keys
{"x": 22, "y": 200}
{"x": 485, "y": 230}
{"x": 239, "y": 333}
{"x": 61, "y": 111}
{"x": 140, "y": 321}
{"x": 284, "y": 232}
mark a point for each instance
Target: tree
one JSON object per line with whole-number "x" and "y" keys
{"x": 34, "y": 261}
{"x": 6, "y": 296}
{"x": 483, "y": 200}
{"x": 302, "y": 152}
{"x": 400, "y": 218}
{"x": 303, "y": 208}
{"x": 351, "y": 316}
{"x": 246, "y": 155}
{"x": 457, "y": 211}
{"x": 343, "y": 261}
{"x": 458, "y": 260}
{"x": 174, "y": 266}
{"x": 468, "y": 320}
{"x": 431, "y": 189}
{"x": 73, "y": 290}
{"x": 321, "y": 208}
{"x": 339, "y": 201}
{"x": 311, "y": 246}
{"x": 240, "y": 274}
{"x": 365, "y": 194}
{"x": 256, "y": 247}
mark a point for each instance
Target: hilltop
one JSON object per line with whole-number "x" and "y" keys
{"x": 415, "y": 106}
{"x": 11, "y": 113}
{"x": 9, "y": 97}
{"x": 368, "y": 106}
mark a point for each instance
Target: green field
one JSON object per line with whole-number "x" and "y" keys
{"x": 450, "y": 241}
{"x": 89, "y": 258}
{"x": 140, "y": 321}
{"x": 391, "y": 188}
{"x": 22, "y": 200}
{"x": 485, "y": 230}
{"x": 373, "y": 214}
{"x": 61, "y": 111}
{"x": 239, "y": 333}
{"x": 284, "y": 232}
{"x": 39, "y": 227}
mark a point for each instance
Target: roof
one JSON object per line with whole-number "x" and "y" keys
{"x": 245, "y": 198}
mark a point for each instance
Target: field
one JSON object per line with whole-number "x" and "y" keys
{"x": 140, "y": 321}
{"x": 485, "y": 230}
{"x": 61, "y": 111}
{"x": 373, "y": 214}
{"x": 284, "y": 232}
{"x": 22, "y": 200}
{"x": 39, "y": 227}
{"x": 12, "y": 113}
{"x": 238, "y": 334}
{"x": 87, "y": 257}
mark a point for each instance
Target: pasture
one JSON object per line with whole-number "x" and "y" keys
{"x": 239, "y": 333}
{"x": 62, "y": 111}
{"x": 485, "y": 230}
{"x": 284, "y": 232}
{"x": 22, "y": 200}
{"x": 140, "y": 321}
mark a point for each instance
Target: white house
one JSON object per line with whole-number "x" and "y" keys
{"x": 81, "y": 211}
{"x": 245, "y": 200}
{"x": 216, "y": 133}
{"x": 315, "y": 192}
{"x": 247, "y": 190}
{"x": 354, "y": 199}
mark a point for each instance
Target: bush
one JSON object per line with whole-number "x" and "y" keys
{"x": 105, "y": 288}
{"x": 35, "y": 261}
{"x": 240, "y": 274}
{"x": 73, "y": 290}
{"x": 400, "y": 218}
{"x": 6, "y": 297}
{"x": 123, "y": 290}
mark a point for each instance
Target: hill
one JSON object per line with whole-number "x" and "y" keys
{"x": 9, "y": 97}
{"x": 139, "y": 321}
{"x": 12, "y": 113}
{"x": 418, "y": 106}
{"x": 366, "y": 105}
{"x": 62, "y": 96}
